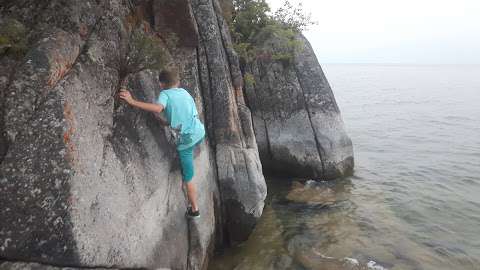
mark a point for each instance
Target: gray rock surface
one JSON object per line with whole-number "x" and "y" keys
{"x": 298, "y": 126}
{"x": 36, "y": 266}
{"x": 241, "y": 182}
{"x": 89, "y": 182}
{"x": 7, "y": 66}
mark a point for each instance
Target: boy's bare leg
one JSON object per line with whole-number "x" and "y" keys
{"x": 192, "y": 195}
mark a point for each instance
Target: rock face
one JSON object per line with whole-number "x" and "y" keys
{"x": 6, "y": 67}
{"x": 37, "y": 266}
{"x": 86, "y": 181}
{"x": 240, "y": 177}
{"x": 298, "y": 126}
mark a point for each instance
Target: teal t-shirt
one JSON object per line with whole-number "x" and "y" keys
{"x": 182, "y": 115}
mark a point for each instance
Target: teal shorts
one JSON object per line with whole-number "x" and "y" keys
{"x": 186, "y": 162}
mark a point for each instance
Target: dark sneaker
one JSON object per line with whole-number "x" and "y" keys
{"x": 192, "y": 214}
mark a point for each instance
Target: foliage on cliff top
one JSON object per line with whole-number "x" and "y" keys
{"x": 253, "y": 24}
{"x": 141, "y": 49}
{"x": 13, "y": 38}
{"x": 293, "y": 17}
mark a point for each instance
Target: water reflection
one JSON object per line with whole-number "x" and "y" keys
{"x": 317, "y": 225}
{"x": 300, "y": 219}
{"x": 414, "y": 201}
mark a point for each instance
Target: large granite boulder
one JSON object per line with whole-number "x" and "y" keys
{"x": 298, "y": 126}
{"x": 87, "y": 181}
{"x": 7, "y": 66}
{"x": 239, "y": 171}
{"x": 37, "y": 266}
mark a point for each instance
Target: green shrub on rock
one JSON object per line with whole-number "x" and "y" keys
{"x": 253, "y": 25}
{"x": 249, "y": 79}
{"x": 13, "y": 38}
{"x": 278, "y": 43}
{"x": 142, "y": 51}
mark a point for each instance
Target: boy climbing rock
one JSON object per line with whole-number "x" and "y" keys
{"x": 182, "y": 116}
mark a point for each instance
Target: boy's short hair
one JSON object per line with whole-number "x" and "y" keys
{"x": 169, "y": 77}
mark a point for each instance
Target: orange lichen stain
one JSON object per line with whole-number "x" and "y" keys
{"x": 136, "y": 19}
{"x": 61, "y": 61}
{"x": 131, "y": 21}
{"x": 59, "y": 69}
{"x": 239, "y": 95}
{"x": 67, "y": 112}
{"x": 67, "y": 135}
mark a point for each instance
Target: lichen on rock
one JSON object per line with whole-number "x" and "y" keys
{"x": 298, "y": 126}
{"x": 89, "y": 182}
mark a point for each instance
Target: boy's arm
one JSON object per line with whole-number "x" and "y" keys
{"x": 151, "y": 107}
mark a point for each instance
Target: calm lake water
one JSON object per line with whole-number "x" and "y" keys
{"x": 414, "y": 199}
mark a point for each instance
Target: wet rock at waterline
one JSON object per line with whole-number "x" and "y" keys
{"x": 312, "y": 259}
{"x": 298, "y": 126}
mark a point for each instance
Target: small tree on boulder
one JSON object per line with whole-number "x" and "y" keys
{"x": 141, "y": 49}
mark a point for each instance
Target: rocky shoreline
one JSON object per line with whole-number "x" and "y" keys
{"x": 87, "y": 182}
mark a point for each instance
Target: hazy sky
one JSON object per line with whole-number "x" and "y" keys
{"x": 394, "y": 31}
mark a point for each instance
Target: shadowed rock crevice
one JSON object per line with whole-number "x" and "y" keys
{"x": 7, "y": 69}
{"x": 237, "y": 218}
{"x": 3, "y": 138}
{"x": 259, "y": 122}
{"x": 173, "y": 20}
{"x": 321, "y": 151}
{"x": 204, "y": 83}
{"x": 208, "y": 107}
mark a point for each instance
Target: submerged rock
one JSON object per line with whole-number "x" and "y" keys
{"x": 311, "y": 193}
{"x": 312, "y": 259}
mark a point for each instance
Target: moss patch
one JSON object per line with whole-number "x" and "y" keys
{"x": 13, "y": 38}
